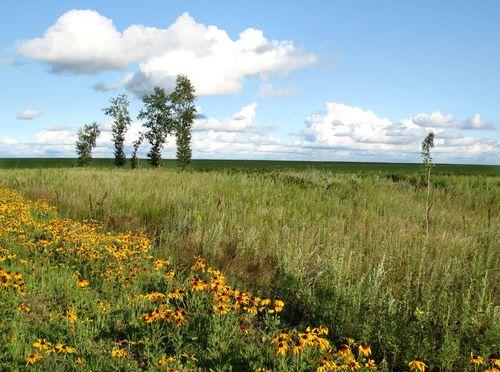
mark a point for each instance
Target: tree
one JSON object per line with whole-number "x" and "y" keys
{"x": 134, "y": 161}
{"x": 87, "y": 137}
{"x": 157, "y": 113}
{"x": 427, "y": 145}
{"x": 183, "y": 98}
{"x": 118, "y": 110}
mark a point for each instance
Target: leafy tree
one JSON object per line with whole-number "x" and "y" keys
{"x": 134, "y": 161}
{"x": 118, "y": 110}
{"x": 427, "y": 145}
{"x": 157, "y": 113}
{"x": 87, "y": 137}
{"x": 183, "y": 98}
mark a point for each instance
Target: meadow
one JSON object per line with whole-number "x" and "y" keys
{"x": 344, "y": 245}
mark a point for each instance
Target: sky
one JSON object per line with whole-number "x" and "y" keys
{"x": 303, "y": 80}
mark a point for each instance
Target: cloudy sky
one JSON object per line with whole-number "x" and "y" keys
{"x": 306, "y": 80}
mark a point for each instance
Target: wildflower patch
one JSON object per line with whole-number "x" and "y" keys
{"x": 74, "y": 296}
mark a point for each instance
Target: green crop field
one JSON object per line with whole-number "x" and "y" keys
{"x": 344, "y": 245}
{"x": 264, "y": 165}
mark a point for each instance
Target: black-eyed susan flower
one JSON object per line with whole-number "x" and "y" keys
{"x": 176, "y": 294}
{"x": 364, "y": 350}
{"x": 476, "y": 359}
{"x": 154, "y": 296}
{"x": 170, "y": 275}
{"x": 197, "y": 285}
{"x": 61, "y": 348}
{"x": 71, "y": 316}
{"x": 282, "y": 348}
{"x": 221, "y": 309}
{"x": 82, "y": 283}
{"x": 118, "y": 353}
{"x": 370, "y": 363}
{"x": 42, "y": 344}
{"x": 33, "y": 358}
{"x": 416, "y": 365}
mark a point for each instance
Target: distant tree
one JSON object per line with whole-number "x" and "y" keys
{"x": 134, "y": 161}
{"x": 427, "y": 145}
{"x": 87, "y": 138}
{"x": 118, "y": 110}
{"x": 157, "y": 113}
{"x": 184, "y": 111}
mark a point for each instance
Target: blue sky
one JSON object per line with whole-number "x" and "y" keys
{"x": 317, "y": 80}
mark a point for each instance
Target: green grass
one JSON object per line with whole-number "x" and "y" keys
{"x": 342, "y": 243}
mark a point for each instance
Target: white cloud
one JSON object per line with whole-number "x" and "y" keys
{"x": 439, "y": 120}
{"x": 475, "y": 122}
{"x": 270, "y": 91}
{"x": 362, "y": 134}
{"x": 29, "y": 114}
{"x": 436, "y": 119}
{"x": 239, "y": 122}
{"x": 342, "y": 132}
{"x": 85, "y": 42}
{"x": 55, "y": 137}
{"x": 81, "y": 41}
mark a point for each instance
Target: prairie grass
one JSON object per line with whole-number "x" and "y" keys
{"x": 74, "y": 297}
{"x": 346, "y": 250}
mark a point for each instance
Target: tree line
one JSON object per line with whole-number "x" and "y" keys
{"x": 163, "y": 114}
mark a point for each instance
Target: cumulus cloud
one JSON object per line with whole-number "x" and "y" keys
{"x": 85, "y": 42}
{"x": 475, "y": 122}
{"x": 341, "y": 132}
{"x": 29, "y": 114}
{"x": 439, "y": 120}
{"x": 241, "y": 121}
{"x": 362, "y": 133}
{"x": 268, "y": 90}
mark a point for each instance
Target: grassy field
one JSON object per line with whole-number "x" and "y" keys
{"x": 343, "y": 244}
{"x": 266, "y": 165}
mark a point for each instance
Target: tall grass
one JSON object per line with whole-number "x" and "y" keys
{"x": 345, "y": 250}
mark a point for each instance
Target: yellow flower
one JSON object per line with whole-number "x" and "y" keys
{"x": 33, "y": 358}
{"x": 278, "y": 305}
{"x": 345, "y": 351}
{"x": 80, "y": 361}
{"x": 158, "y": 264}
{"x": 176, "y": 294}
{"x": 199, "y": 264}
{"x": 323, "y": 343}
{"x": 170, "y": 275}
{"x": 65, "y": 349}
{"x": 364, "y": 350}
{"x": 221, "y": 309}
{"x": 416, "y": 365}
{"x": 23, "y": 307}
{"x": 82, "y": 283}
{"x": 42, "y": 344}
{"x": 281, "y": 337}
{"x": 296, "y": 349}
{"x": 197, "y": 285}
{"x": 476, "y": 359}
{"x": 250, "y": 309}
{"x": 118, "y": 353}
{"x": 305, "y": 338}
{"x": 282, "y": 348}
{"x": 265, "y": 302}
{"x": 153, "y": 296}
{"x": 370, "y": 363}
{"x": 71, "y": 316}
